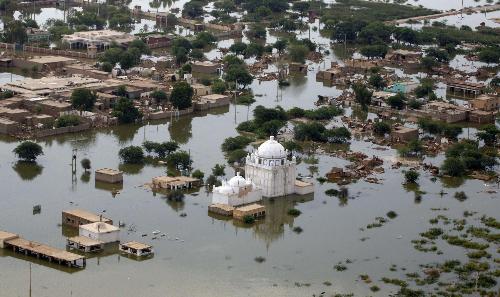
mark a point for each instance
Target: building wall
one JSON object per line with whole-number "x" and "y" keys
{"x": 104, "y": 237}
{"x": 235, "y": 200}
{"x": 274, "y": 181}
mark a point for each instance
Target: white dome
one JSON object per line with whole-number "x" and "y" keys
{"x": 271, "y": 149}
{"x": 237, "y": 181}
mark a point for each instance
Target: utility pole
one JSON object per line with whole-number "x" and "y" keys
{"x": 30, "y": 281}
{"x": 235, "y": 88}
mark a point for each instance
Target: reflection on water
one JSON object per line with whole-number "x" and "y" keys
{"x": 27, "y": 171}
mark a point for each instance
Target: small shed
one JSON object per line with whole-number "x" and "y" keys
{"x": 136, "y": 248}
{"x": 84, "y": 244}
{"x": 109, "y": 175}
{"x": 100, "y": 231}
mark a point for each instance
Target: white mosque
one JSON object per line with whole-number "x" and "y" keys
{"x": 237, "y": 191}
{"x": 269, "y": 169}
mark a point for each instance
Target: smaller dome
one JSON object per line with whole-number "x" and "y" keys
{"x": 271, "y": 149}
{"x": 237, "y": 181}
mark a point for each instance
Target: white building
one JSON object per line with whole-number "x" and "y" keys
{"x": 237, "y": 191}
{"x": 270, "y": 169}
{"x": 100, "y": 231}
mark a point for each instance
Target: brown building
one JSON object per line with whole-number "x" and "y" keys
{"x": 403, "y": 56}
{"x": 481, "y": 117}
{"x": 403, "y": 134}
{"x": 108, "y": 175}
{"x": 211, "y": 101}
{"x": 486, "y": 102}
{"x": 77, "y": 217}
{"x": 253, "y": 210}
{"x": 297, "y": 68}
{"x": 464, "y": 88}
{"x": 8, "y": 127}
{"x": 206, "y": 67}
{"x": 16, "y": 114}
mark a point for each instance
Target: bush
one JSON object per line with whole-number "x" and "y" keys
{"x": 131, "y": 155}
{"x": 381, "y": 128}
{"x": 234, "y": 143}
{"x": 28, "y": 151}
{"x": 248, "y": 219}
{"x": 85, "y": 164}
{"x": 411, "y": 176}
{"x": 67, "y": 121}
{"x": 198, "y": 174}
{"x": 218, "y": 170}
{"x": 392, "y": 214}
{"x": 294, "y": 212}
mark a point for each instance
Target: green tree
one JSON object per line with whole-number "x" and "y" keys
{"x": 337, "y": 135}
{"x": 280, "y": 45}
{"x": 381, "y": 128}
{"x": 131, "y": 155}
{"x": 239, "y": 74}
{"x": 181, "y": 160}
{"x": 298, "y": 52}
{"x": 411, "y": 176}
{"x": 453, "y": 167}
{"x": 218, "y": 170}
{"x": 374, "y": 51}
{"x": 218, "y": 87}
{"x": 181, "y": 96}
{"x": 490, "y": 55}
{"x": 125, "y": 111}
{"x": 159, "y": 96}
{"x": 362, "y": 95}
{"x": 83, "y": 99}
{"x": 198, "y": 174}
{"x": 28, "y": 151}
{"x": 86, "y": 165}
{"x": 489, "y": 134}
{"x": 377, "y": 81}
{"x": 397, "y": 101}
{"x": 166, "y": 148}
{"x": 193, "y": 9}
{"x": 67, "y": 120}
{"x": 238, "y": 48}
{"x": 14, "y": 32}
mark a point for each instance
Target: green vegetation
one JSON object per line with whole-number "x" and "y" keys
{"x": 67, "y": 120}
{"x": 381, "y": 128}
{"x": 294, "y": 212}
{"x": 234, "y": 143}
{"x": 83, "y": 99}
{"x": 28, "y": 151}
{"x": 182, "y": 95}
{"x": 218, "y": 170}
{"x": 180, "y": 160}
{"x": 411, "y": 176}
{"x": 247, "y": 219}
{"x": 414, "y": 148}
{"x": 161, "y": 149}
{"x": 315, "y": 131}
{"x": 125, "y": 111}
{"x": 466, "y": 156}
{"x": 86, "y": 164}
{"x": 392, "y": 214}
{"x": 439, "y": 128}
{"x": 131, "y": 155}
{"x": 198, "y": 174}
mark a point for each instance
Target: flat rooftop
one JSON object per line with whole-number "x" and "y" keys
{"x": 5, "y": 121}
{"x": 51, "y": 84}
{"x": 99, "y": 227}
{"x": 52, "y": 59}
{"x": 7, "y": 235}
{"x": 91, "y": 217}
{"x": 250, "y": 207}
{"x": 43, "y": 249}
{"x": 302, "y": 184}
{"x": 136, "y": 245}
{"x": 108, "y": 171}
{"x": 85, "y": 241}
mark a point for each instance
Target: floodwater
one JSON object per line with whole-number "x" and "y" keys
{"x": 214, "y": 257}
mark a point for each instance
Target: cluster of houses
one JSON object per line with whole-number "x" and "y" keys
{"x": 36, "y": 104}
